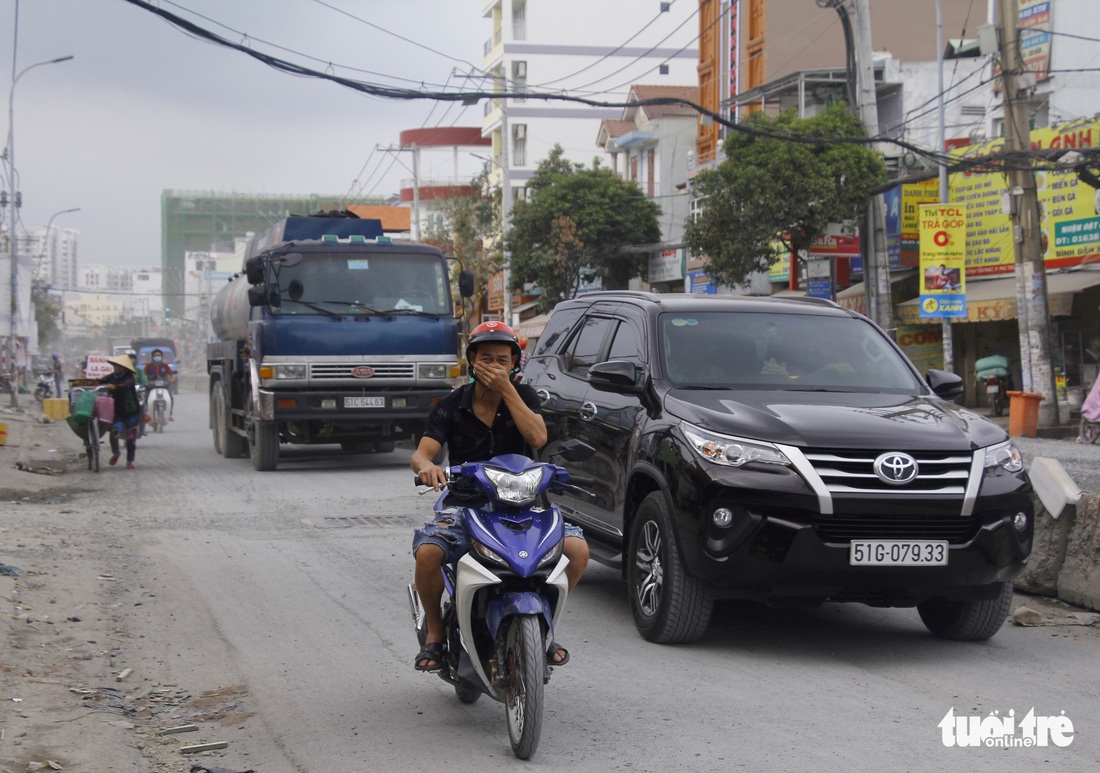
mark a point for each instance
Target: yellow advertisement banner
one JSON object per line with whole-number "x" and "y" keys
{"x": 943, "y": 249}
{"x": 1069, "y": 210}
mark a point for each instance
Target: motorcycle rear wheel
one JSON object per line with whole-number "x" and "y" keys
{"x": 525, "y": 664}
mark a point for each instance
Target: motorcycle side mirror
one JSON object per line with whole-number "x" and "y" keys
{"x": 946, "y": 385}
{"x": 574, "y": 451}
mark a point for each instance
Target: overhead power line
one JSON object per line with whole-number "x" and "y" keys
{"x": 1000, "y": 161}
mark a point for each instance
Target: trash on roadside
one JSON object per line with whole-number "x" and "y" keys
{"x": 204, "y": 747}
{"x": 7, "y": 570}
{"x": 37, "y": 469}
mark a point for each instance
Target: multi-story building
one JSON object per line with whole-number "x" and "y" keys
{"x": 55, "y": 255}
{"x": 538, "y": 48}
{"x": 652, "y": 145}
{"x": 196, "y": 220}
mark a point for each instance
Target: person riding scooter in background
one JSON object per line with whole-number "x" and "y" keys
{"x": 158, "y": 369}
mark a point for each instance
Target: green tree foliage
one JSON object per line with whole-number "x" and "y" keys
{"x": 574, "y": 224}
{"x": 471, "y": 221}
{"x": 47, "y": 314}
{"x": 771, "y": 190}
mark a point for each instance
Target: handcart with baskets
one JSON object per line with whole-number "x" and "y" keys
{"x": 91, "y": 413}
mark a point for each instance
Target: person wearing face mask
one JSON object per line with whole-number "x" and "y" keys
{"x": 158, "y": 369}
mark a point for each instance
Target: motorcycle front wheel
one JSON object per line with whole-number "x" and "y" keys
{"x": 525, "y": 664}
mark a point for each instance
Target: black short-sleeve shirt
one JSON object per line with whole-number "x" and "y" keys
{"x": 453, "y": 421}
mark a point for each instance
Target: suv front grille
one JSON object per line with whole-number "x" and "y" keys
{"x": 845, "y": 528}
{"x": 852, "y": 472}
{"x": 326, "y": 371}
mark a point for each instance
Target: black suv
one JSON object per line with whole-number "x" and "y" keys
{"x": 781, "y": 450}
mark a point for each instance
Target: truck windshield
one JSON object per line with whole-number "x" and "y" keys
{"x": 334, "y": 283}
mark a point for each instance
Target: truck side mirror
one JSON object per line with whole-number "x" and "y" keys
{"x": 465, "y": 284}
{"x": 257, "y": 296}
{"x": 254, "y": 271}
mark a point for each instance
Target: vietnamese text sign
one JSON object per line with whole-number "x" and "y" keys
{"x": 1069, "y": 210}
{"x": 943, "y": 260}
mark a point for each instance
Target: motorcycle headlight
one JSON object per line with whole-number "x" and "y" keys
{"x": 513, "y": 488}
{"x": 553, "y": 556}
{"x": 489, "y": 555}
{"x": 1005, "y": 455}
{"x": 731, "y": 451}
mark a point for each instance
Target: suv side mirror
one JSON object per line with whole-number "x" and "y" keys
{"x": 615, "y": 376}
{"x": 944, "y": 384}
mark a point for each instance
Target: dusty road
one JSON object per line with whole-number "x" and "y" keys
{"x": 267, "y": 611}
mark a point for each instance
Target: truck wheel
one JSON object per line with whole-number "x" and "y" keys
{"x": 670, "y": 606}
{"x": 975, "y": 620}
{"x": 263, "y": 443}
{"x": 385, "y": 446}
{"x": 227, "y": 442}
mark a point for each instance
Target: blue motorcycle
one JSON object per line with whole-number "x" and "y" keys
{"x": 503, "y": 597}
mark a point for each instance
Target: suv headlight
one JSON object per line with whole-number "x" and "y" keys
{"x": 1005, "y": 455}
{"x": 731, "y": 451}
{"x": 515, "y": 489}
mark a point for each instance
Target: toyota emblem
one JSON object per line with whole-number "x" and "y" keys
{"x": 896, "y": 468}
{"x": 362, "y": 371}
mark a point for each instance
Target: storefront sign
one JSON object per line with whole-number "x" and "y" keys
{"x": 942, "y": 260}
{"x": 667, "y": 266}
{"x": 1069, "y": 210}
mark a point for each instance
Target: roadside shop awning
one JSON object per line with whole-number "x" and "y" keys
{"x": 991, "y": 300}
{"x": 532, "y": 328}
{"x": 855, "y": 297}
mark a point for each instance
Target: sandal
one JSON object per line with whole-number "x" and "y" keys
{"x": 433, "y": 652}
{"x": 553, "y": 649}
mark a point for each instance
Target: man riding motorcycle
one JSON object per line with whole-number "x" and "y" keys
{"x": 156, "y": 369}
{"x": 489, "y": 416}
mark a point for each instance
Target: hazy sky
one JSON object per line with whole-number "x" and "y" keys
{"x": 144, "y": 106}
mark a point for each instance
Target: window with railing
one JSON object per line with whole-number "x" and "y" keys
{"x": 519, "y": 144}
{"x": 519, "y": 20}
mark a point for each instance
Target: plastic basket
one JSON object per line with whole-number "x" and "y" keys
{"x": 105, "y": 409}
{"x": 83, "y": 405}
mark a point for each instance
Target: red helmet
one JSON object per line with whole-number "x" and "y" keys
{"x": 492, "y": 332}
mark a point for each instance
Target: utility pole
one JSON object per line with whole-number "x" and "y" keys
{"x": 1031, "y": 275}
{"x": 876, "y": 268}
{"x": 948, "y": 340}
{"x": 505, "y": 206}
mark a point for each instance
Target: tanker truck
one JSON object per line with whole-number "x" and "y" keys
{"x": 333, "y": 332}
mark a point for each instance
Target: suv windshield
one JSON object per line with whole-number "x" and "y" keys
{"x": 351, "y": 284}
{"x": 780, "y": 351}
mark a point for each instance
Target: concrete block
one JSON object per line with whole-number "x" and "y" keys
{"x": 1079, "y": 580}
{"x": 1048, "y": 552}
{"x": 1053, "y": 484}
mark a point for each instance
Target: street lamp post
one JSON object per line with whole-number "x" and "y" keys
{"x": 12, "y": 203}
{"x": 49, "y": 226}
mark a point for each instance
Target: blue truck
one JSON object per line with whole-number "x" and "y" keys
{"x": 333, "y": 332}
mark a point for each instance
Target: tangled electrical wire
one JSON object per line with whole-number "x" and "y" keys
{"x": 994, "y": 161}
